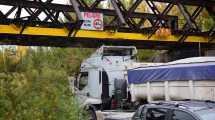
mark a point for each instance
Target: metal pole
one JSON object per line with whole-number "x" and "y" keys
{"x": 200, "y": 54}
{"x": 76, "y": 8}
{"x": 118, "y": 12}
{"x": 185, "y": 14}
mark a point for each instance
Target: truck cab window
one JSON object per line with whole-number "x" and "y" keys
{"x": 156, "y": 114}
{"x": 180, "y": 115}
{"x": 117, "y": 52}
{"x": 83, "y": 80}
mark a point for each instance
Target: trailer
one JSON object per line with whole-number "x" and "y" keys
{"x": 191, "y": 78}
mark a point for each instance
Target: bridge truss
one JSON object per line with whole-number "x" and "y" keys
{"x": 21, "y": 23}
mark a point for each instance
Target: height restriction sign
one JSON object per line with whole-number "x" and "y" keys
{"x": 92, "y": 21}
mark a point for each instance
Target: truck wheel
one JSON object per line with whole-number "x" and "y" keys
{"x": 91, "y": 114}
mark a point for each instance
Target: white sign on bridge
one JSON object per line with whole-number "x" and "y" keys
{"x": 92, "y": 21}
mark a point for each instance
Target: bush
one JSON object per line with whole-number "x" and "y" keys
{"x": 37, "y": 86}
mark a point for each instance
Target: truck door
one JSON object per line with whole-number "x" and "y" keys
{"x": 105, "y": 85}
{"x": 106, "y": 101}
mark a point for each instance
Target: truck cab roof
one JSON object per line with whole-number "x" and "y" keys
{"x": 116, "y": 51}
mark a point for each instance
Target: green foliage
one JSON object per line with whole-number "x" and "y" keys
{"x": 36, "y": 88}
{"x": 146, "y": 55}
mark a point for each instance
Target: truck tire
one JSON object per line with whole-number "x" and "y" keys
{"x": 92, "y": 114}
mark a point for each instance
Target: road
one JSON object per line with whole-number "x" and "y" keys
{"x": 111, "y": 115}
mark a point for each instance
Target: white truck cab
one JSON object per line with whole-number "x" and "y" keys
{"x": 103, "y": 73}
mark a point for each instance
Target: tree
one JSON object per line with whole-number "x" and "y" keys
{"x": 37, "y": 86}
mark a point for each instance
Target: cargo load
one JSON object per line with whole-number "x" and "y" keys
{"x": 191, "y": 78}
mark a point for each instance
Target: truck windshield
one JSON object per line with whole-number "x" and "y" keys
{"x": 117, "y": 52}
{"x": 208, "y": 114}
{"x": 83, "y": 80}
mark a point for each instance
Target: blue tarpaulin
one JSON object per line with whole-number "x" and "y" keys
{"x": 174, "y": 72}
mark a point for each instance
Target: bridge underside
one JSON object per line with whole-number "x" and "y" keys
{"x": 29, "y": 40}
{"x": 126, "y": 26}
{"x": 38, "y": 36}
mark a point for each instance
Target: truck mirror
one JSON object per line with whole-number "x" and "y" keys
{"x": 74, "y": 82}
{"x": 75, "y": 79}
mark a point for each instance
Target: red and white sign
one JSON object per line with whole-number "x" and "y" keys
{"x": 92, "y": 21}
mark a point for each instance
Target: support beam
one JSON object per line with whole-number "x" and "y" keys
{"x": 134, "y": 6}
{"x": 189, "y": 2}
{"x": 77, "y": 10}
{"x": 2, "y": 16}
{"x": 118, "y": 12}
{"x": 190, "y": 21}
{"x": 95, "y": 4}
{"x": 165, "y": 12}
{"x": 212, "y": 33}
{"x": 194, "y": 15}
{"x": 187, "y": 16}
{"x": 62, "y": 32}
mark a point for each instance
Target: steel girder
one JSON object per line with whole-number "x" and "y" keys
{"x": 52, "y": 12}
{"x": 121, "y": 18}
